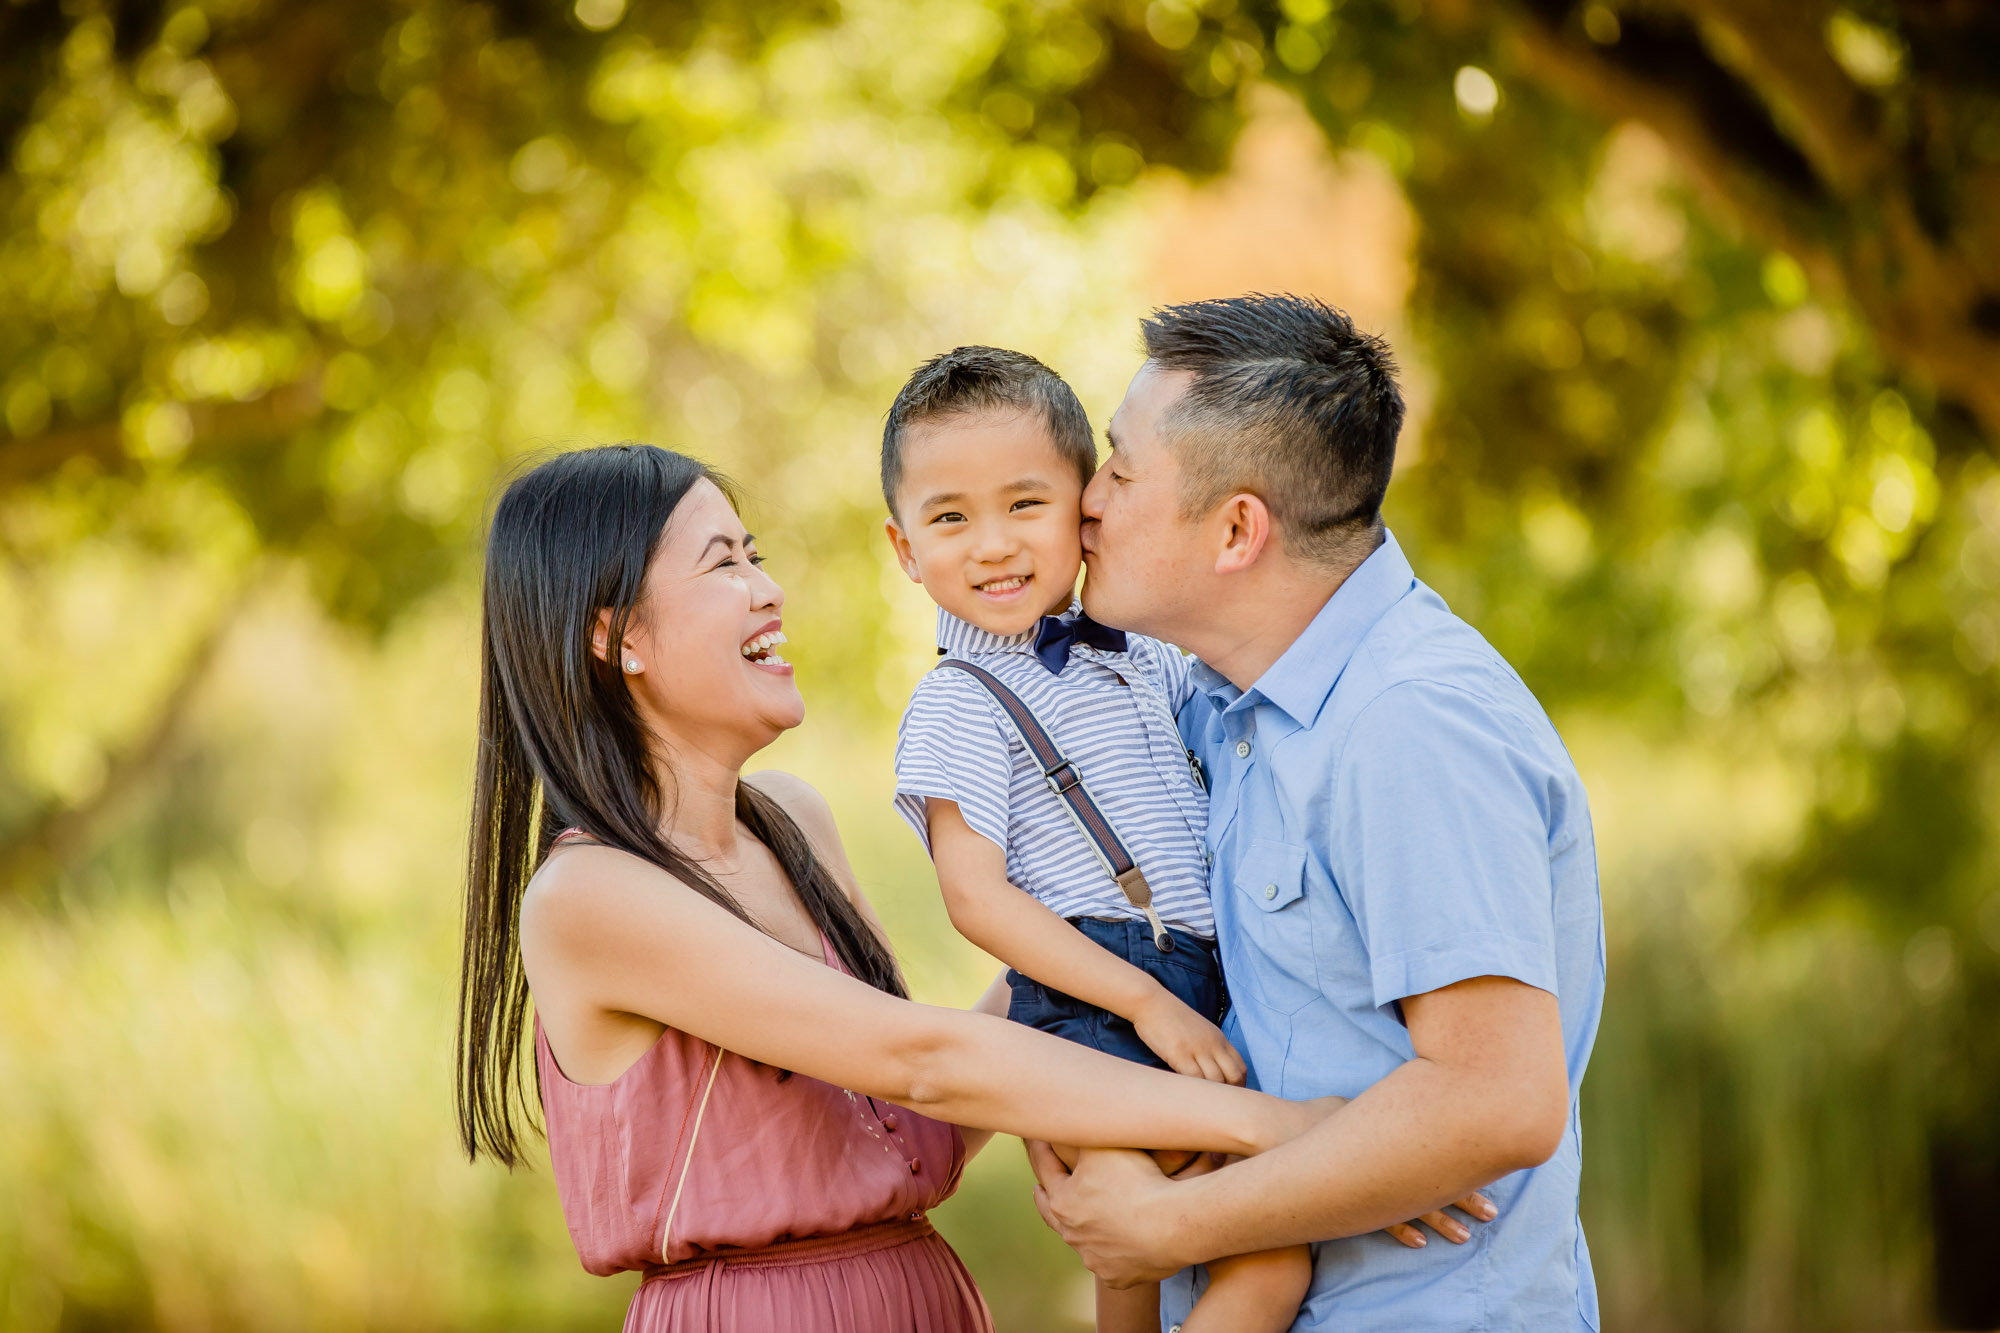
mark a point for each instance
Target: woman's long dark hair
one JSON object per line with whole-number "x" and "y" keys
{"x": 561, "y": 745}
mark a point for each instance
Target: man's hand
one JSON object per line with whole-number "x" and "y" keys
{"x": 1189, "y": 1043}
{"x": 1104, "y": 1210}
{"x": 1113, "y": 1209}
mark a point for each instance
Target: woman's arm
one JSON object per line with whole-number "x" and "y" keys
{"x": 992, "y": 1001}
{"x": 611, "y": 933}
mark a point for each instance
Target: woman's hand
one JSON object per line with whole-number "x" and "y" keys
{"x": 1476, "y": 1206}
{"x": 1189, "y": 1043}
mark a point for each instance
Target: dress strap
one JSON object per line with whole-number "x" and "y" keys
{"x": 687, "y": 1162}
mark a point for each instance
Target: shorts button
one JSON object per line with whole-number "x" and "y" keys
{"x": 1243, "y": 749}
{"x": 1270, "y": 890}
{"x": 915, "y": 1166}
{"x": 889, "y": 1123}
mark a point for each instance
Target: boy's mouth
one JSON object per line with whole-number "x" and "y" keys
{"x": 1004, "y": 589}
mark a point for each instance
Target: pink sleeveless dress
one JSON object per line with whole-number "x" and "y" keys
{"x": 754, "y": 1205}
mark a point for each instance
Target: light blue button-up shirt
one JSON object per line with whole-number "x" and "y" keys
{"x": 1391, "y": 812}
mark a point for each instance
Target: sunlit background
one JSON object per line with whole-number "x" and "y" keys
{"x": 1699, "y": 310}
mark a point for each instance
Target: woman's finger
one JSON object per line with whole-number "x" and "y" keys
{"x": 1447, "y": 1226}
{"x": 1479, "y": 1206}
{"x": 1407, "y": 1234}
{"x": 1042, "y": 1160}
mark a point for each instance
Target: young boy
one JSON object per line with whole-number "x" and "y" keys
{"x": 984, "y": 458}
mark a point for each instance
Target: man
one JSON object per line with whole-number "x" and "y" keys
{"x": 1403, "y": 875}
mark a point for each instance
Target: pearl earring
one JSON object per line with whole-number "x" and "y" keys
{"x": 631, "y": 666}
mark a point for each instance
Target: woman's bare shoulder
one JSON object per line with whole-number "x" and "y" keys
{"x": 799, "y": 799}
{"x": 580, "y": 886}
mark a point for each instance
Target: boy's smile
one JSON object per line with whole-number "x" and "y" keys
{"x": 987, "y": 519}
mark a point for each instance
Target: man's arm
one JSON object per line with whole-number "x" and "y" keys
{"x": 1486, "y": 1095}
{"x": 1012, "y": 926}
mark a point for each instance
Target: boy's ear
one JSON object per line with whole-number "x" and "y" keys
{"x": 900, "y": 544}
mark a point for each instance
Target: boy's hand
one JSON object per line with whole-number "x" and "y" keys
{"x": 1189, "y": 1043}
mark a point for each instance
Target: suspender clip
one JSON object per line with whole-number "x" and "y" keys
{"x": 1069, "y": 778}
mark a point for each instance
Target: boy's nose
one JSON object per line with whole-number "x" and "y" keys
{"x": 994, "y": 542}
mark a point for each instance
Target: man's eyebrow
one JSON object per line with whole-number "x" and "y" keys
{"x": 1111, "y": 436}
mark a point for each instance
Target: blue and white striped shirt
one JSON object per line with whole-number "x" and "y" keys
{"x": 1112, "y": 715}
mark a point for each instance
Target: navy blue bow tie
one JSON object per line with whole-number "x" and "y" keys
{"x": 1054, "y": 637}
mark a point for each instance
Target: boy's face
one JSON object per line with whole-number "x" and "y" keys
{"x": 987, "y": 519}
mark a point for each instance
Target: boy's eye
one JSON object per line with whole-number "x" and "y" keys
{"x": 952, "y": 516}
{"x": 1021, "y": 504}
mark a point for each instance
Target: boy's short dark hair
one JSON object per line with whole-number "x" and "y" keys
{"x": 966, "y": 380}
{"x": 1290, "y": 402}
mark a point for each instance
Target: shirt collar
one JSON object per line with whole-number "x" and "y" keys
{"x": 1304, "y": 675}
{"x": 962, "y": 638}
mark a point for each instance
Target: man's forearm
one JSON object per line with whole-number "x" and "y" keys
{"x": 1421, "y": 1138}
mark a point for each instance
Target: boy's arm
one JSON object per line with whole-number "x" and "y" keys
{"x": 1019, "y": 931}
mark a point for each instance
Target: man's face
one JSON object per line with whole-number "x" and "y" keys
{"x": 1146, "y": 566}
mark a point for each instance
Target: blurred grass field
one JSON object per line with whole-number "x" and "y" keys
{"x": 287, "y": 292}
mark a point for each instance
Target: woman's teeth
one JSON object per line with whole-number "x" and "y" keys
{"x": 760, "y": 648}
{"x": 1005, "y": 585}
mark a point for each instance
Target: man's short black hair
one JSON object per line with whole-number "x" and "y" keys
{"x": 969, "y": 380}
{"x": 1289, "y": 402}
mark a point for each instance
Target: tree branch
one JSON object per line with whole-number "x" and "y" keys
{"x": 218, "y": 428}
{"x": 1855, "y": 229}
{"x": 58, "y": 833}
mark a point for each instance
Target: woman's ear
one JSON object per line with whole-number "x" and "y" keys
{"x": 600, "y": 636}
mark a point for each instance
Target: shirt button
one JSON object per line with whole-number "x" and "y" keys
{"x": 1243, "y": 749}
{"x": 1208, "y": 857}
{"x": 1270, "y": 890}
{"x": 889, "y": 1123}
{"x": 915, "y": 1166}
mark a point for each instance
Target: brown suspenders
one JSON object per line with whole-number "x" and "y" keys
{"x": 1066, "y": 782}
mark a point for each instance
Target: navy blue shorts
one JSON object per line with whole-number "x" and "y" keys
{"x": 1191, "y": 973}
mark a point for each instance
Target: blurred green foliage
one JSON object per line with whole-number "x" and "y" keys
{"x": 1702, "y": 296}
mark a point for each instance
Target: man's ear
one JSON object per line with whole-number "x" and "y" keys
{"x": 1243, "y": 528}
{"x": 600, "y": 635}
{"x": 900, "y": 544}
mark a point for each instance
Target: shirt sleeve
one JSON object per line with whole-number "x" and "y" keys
{"x": 953, "y": 744}
{"x": 1167, "y": 668}
{"x": 1442, "y": 846}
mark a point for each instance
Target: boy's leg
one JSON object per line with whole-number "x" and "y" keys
{"x": 1133, "y": 1310}
{"x": 1252, "y": 1293}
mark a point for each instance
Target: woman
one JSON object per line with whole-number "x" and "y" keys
{"x": 740, "y": 1100}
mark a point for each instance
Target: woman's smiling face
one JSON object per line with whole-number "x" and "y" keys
{"x": 707, "y": 634}
{"x": 987, "y": 519}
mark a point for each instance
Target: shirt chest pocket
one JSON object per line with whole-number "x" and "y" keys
{"x": 1276, "y": 922}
